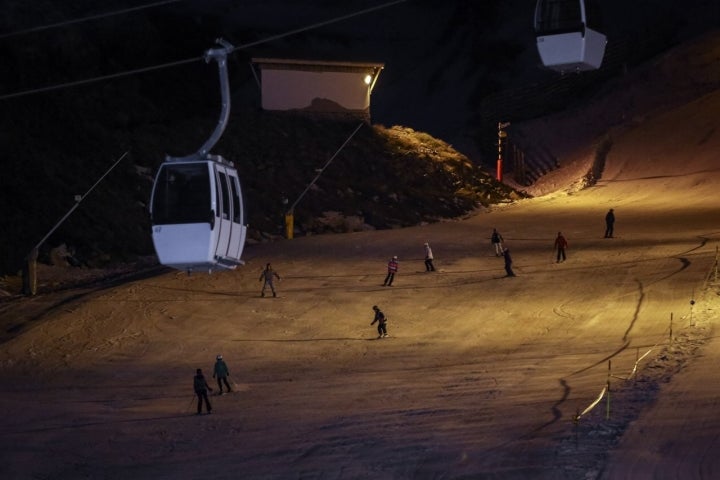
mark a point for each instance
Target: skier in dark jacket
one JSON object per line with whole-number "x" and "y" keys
{"x": 609, "y": 223}
{"x": 508, "y": 262}
{"x": 496, "y": 239}
{"x": 381, "y": 320}
{"x": 268, "y": 275}
{"x": 201, "y": 390}
{"x": 561, "y": 244}
{"x": 221, "y": 371}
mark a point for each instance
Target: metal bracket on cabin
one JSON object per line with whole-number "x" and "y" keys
{"x": 220, "y": 56}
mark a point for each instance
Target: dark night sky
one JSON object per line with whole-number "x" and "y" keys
{"x": 442, "y": 57}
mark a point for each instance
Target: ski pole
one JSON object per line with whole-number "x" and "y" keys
{"x": 192, "y": 400}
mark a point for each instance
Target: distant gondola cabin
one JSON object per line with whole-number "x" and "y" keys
{"x": 567, "y": 35}
{"x": 326, "y": 87}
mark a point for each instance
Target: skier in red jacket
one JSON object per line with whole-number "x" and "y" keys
{"x": 392, "y": 269}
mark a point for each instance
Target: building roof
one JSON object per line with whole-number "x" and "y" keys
{"x": 304, "y": 64}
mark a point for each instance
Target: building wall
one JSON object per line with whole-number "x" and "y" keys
{"x": 315, "y": 91}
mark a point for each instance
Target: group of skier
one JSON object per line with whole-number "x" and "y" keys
{"x": 221, "y": 372}
{"x": 501, "y": 250}
{"x": 496, "y": 240}
{"x": 560, "y": 245}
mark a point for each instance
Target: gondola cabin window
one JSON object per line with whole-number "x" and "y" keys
{"x": 237, "y": 200}
{"x": 567, "y": 37}
{"x": 225, "y": 196}
{"x": 558, "y": 16}
{"x": 182, "y": 194}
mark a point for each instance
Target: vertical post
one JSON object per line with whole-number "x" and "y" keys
{"x": 607, "y": 410}
{"x": 671, "y": 327}
{"x": 501, "y": 135}
{"x": 29, "y": 273}
{"x": 289, "y": 225}
{"x": 637, "y": 360}
{"x": 576, "y": 424}
{"x": 692, "y": 302}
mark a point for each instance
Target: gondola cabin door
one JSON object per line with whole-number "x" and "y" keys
{"x": 229, "y": 215}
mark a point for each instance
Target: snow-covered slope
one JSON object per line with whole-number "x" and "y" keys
{"x": 481, "y": 377}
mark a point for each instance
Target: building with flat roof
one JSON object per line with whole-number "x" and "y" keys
{"x": 315, "y": 86}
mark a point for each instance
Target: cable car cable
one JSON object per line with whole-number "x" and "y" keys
{"x": 86, "y": 19}
{"x": 320, "y": 171}
{"x": 319, "y": 24}
{"x": 76, "y": 83}
{"x": 193, "y": 59}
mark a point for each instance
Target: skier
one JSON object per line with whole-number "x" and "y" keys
{"x": 392, "y": 268}
{"x": 201, "y": 390}
{"x": 429, "y": 267}
{"x": 268, "y": 274}
{"x": 560, "y": 244}
{"x": 496, "y": 239}
{"x": 381, "y": 320}
{"x": 609, "y": 223}
{"x": 221, "y": 371}
{"x": 508, "y": 262}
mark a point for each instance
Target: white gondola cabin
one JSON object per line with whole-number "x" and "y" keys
{"x": 196, "y": 207}
{"x": 567, "y": 39}
{"x": 198, "y": 215}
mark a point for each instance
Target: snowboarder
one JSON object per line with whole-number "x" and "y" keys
{"x": 392, "y": 268}
{"x": 508, "y": 262}
{"x": 609, "y": 223}
{"x": 221, "y": 371}
{"x": 268, "y": 274}
{"x": 429, "y": 267}
{"x": 560, "y": 244}
{"x": 381, "y": 320}
{"x": 496, "y": 239}
{"x": 201, "y": 390}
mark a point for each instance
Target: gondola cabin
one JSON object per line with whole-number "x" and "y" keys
{"x": 196, "y": 205}
{"x": 197, "y": 215}
{"x": 567, "y": 39}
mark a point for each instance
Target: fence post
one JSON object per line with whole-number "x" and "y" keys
{"x": 29, "y": 273}
{"x": 607, "y": 412}
{"x": 576, "y": 426}
{"x": 692, "y": 302}
{"x": 637, "y": 360}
